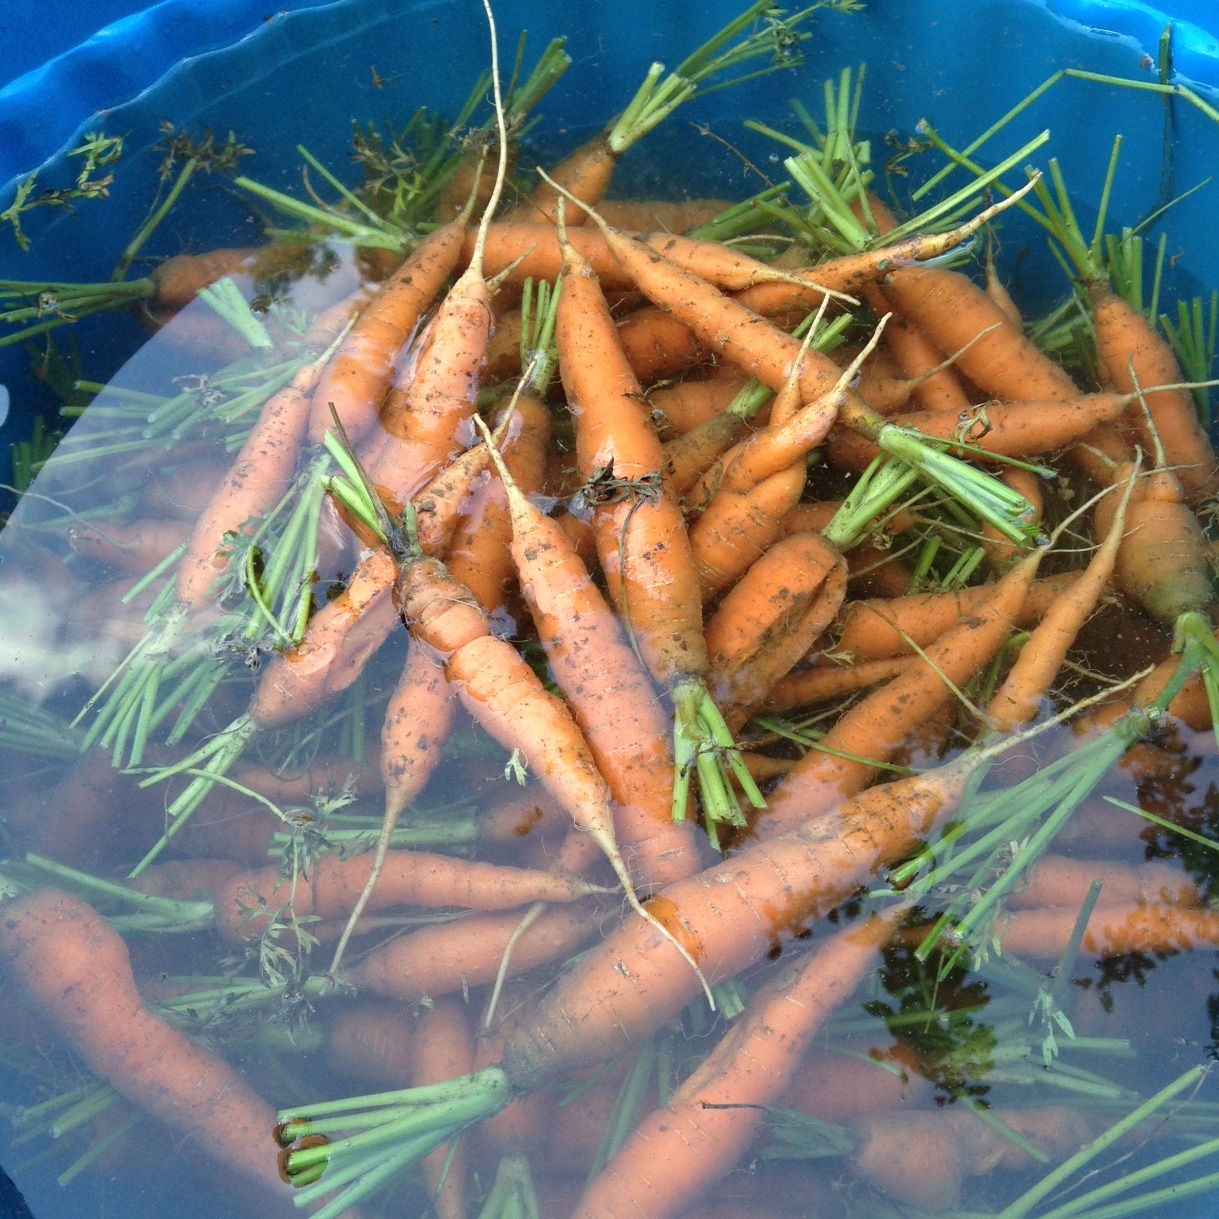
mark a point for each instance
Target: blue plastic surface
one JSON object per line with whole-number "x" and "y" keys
{"x": 302, "y": 76}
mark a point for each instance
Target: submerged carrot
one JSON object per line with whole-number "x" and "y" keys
{"x": 678, "y": 1152}
{"x": 75, "y": 970}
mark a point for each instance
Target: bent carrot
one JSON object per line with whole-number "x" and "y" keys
{"x": 75, "y": 969}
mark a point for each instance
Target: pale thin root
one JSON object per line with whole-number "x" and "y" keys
{"x": 531, "y": 916}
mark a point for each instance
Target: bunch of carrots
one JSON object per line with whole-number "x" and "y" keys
{"x": 582, "y": 603}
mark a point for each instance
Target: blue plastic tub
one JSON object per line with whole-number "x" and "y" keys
{"x": 297, "y": 72}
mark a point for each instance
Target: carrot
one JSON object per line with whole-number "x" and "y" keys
{"x": 657, "y": 346}
{"x": 135, "y": 548}
{"x": 609, "y": 692}
{"x": 478, "y": 554}
{"x": 76, "y": 971}
{"x": 692, "y": 453}
{"x": 258, "y": 478}
{"x": 933, "y": 386}
{"x": 839, "y": 1087}
{"x": 444, "y": 1049}
{"x": 1161, "y": 563}
{"x": 769, "y": 620}
{"x": 246, "y": 905}
{"x": 358, "y": 376}
{"x": 442, "y": 959}
{"x": 641, "y": 534}
{"x": 1112, "y": 930}
{"x": 370, "y": 1041}
{"x": 921, "y": 1159}
{"x": 679, "y": 1151}
{"x": 519, "y": 250}
{"x": 800, "y": 293}
{"x": 729, "y": 916}
{"x": 848, "y": 755}
{"x": 1024, "y": 429}
{"x": 1059, "y": 881}
{"x": 656, "y": 215}
{"x": 879, "y": 628}
{"x": 802, "y": 687}
{"x": 1020, "y": 696}
{"x": 178, "y": 280}
{"x": 688, "y": 404}
{"x": 1134, "y": 357}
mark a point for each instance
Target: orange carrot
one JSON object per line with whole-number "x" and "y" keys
{"x": 1161, "y": 562}
{"x": 178, "y": 280}
{"x": 920, "y": 1159}
{"x": 531, "y": 251}
{"x": 679, "y": 1151}
{"x": 1028, "y": 683}
{"x": 1135, "y": 357}
{"x": 370, "y": 1042}
{"x": 442, "y": 959}
{"x": 877, "y": 628}
{"x": 657, "y": 346}
{"x": 609, "y": 693}
{"x": 248, "y": 902}
{"x": 1112, "y": 930}
{"x": 729, "y": 916}
{"x": 444, "y": 1049}
{"x": 258, "y": 478}
{"x": 800, "y": 688}
{"x": 75, "y": 970}
{"x": 1058, "y": 881}
{"x": 687, "y": 404}
{"x": 358, "y": 376}
{"x": 1023, "y": 429}
{"x": 769, "y": 620}
{"x": 866, "y": 735}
